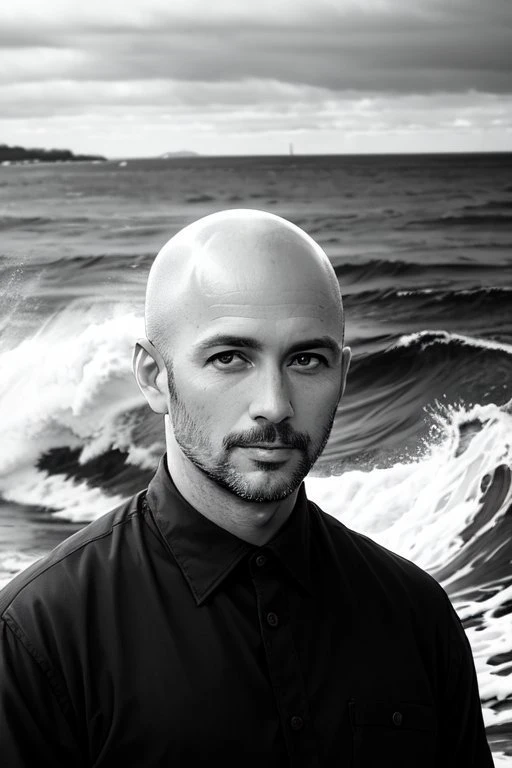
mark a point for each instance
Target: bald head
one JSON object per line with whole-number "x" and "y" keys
{"x": 238, "y": 261}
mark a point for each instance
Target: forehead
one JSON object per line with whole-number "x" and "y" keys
{"x": 263, "y": 294}
{"x": 271, "y": 324}
{"x": 264, "y": 305}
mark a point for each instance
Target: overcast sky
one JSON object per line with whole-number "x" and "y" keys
{"x": 143, "y": 77}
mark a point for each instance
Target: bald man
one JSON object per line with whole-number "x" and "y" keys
{"x": 219, "y": 615}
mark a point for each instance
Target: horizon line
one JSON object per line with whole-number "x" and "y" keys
{"x": 198, "y": 156}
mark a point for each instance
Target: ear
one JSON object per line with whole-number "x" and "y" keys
{"x": 151, "y": 375}
{"x": 346, "y": 356}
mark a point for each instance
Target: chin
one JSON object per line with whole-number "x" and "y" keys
{"x": 262, "y": 495}
{"x": 262, "y": 483}
{"x": 265, "y": 486}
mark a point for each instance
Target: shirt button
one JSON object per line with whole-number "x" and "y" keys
{"x": 397, "y": 718}
{"x": 296, "y": 723}
{"x": 272, "y": 619}
{"x": 261, "y": 560}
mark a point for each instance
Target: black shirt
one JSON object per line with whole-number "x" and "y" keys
{"x": 153, "y": 637}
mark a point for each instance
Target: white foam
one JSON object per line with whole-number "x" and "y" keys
{"x": 70, "y": 384}
{"x": 416, "y": 292}
{"x": 419, "y": 509}
{"x": 445, "y": 337}
{"x": 463, "y": 292}
{"x": 70, "y": 499}
{"x": 488, "y": 289}
{"x": 501, "y": 760}
{"x": 12, "y": 563}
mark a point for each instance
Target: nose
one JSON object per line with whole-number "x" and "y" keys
{"x": 271, "y": 397}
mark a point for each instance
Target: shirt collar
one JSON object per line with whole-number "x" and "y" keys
{"x": 207, "y": 553}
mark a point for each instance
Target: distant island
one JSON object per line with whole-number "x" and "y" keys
{"x": 180, "y": 153}
{"x": 36, "y": 155}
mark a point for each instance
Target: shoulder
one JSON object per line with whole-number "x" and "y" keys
{"x": 373, "y": 567}
{"x": 53, "y": 574}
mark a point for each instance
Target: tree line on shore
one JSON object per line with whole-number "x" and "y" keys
{"x": 15, "y": 154}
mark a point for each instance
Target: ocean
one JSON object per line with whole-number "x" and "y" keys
{"x": 420, "y": 456}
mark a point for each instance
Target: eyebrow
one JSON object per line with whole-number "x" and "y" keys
{"x": 226, "y": 340}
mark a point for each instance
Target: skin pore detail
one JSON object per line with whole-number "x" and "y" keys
{"x": 291, "y": 309}
{"x": 246, "y": 362}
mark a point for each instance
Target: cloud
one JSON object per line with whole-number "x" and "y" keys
{"x": 390, "y": 46}
{"x": 250, "y": 105}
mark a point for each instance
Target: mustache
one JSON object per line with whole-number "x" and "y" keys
{"x": 283, "y": 434}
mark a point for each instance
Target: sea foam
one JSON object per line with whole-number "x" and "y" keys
{"x": 428, "y": 337}
{"x": 66, "y": 385}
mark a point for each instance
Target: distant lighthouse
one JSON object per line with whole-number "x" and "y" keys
{"x": 290, "y": 149}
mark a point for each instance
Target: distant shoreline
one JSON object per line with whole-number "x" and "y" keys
{"x": 16, "y": 155}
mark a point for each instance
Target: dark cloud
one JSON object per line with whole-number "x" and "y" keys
{"x": 421, "y": 47}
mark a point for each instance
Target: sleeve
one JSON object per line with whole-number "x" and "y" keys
{"x": 34, "y": 729}
{"x": 463, "y": 739}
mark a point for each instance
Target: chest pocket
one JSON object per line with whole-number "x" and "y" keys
{"x": 392, "y": 733}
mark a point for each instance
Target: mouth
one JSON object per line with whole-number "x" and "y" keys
{"x": 269, "y": 452}
{"x": 270, "y": 446}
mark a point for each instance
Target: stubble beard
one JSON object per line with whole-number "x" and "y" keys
{"x": 197, "y": 447}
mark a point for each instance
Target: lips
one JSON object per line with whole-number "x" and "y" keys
{"x": 264, "y": 452}
{"x": 281, "y": 437}
{"x": 269, "y": 447}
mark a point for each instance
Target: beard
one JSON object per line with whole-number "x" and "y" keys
{"x": 273, "y": 481}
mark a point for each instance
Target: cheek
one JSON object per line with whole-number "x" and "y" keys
{"x": 317, "y": 395}
{"x": 213, "y": 411}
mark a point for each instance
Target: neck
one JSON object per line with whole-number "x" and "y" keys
{"x": 250, "y": 521}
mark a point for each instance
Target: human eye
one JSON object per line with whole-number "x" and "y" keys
{"x": 308, "y": 361}
{"x": 228, "y": 361}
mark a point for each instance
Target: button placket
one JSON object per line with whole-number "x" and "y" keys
{"x": 285, "y": 673}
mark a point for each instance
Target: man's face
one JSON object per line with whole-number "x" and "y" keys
{"x": 254, "y": 386}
